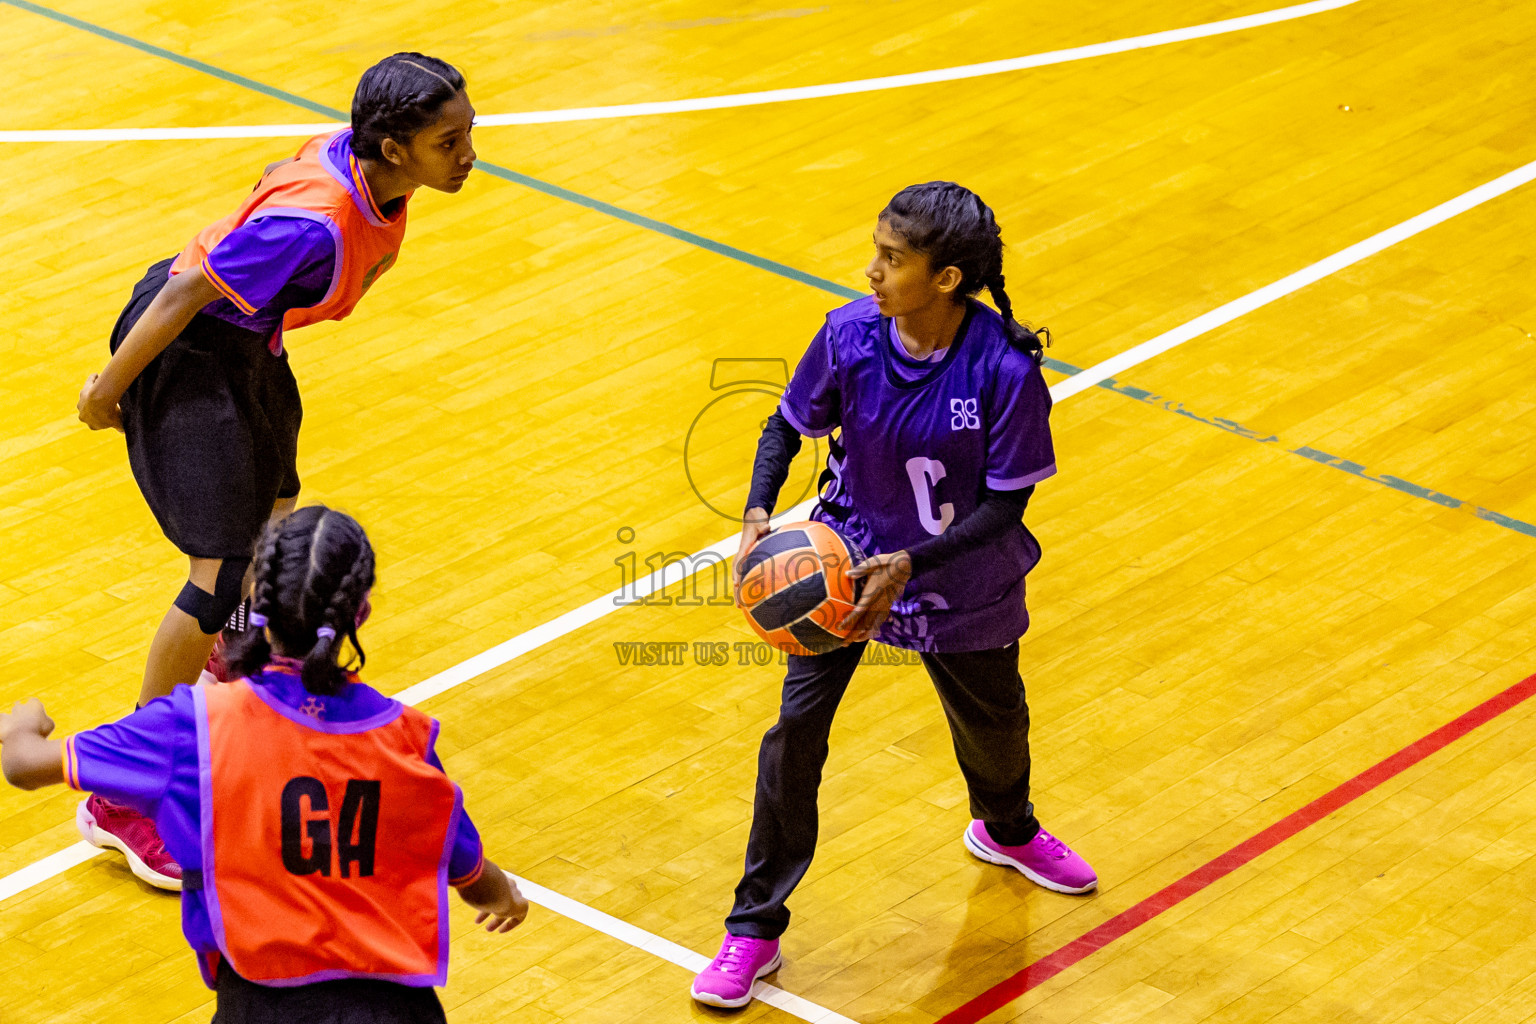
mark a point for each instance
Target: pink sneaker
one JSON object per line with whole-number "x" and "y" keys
{"x": 105, "y": 824}
{"x": 1044, "y": 860}
{"x": 216, "y": 667}
{"x": 728, "y": 980}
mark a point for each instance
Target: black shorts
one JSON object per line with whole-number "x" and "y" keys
{"x": 349, "y": 1001}
{"x": 213, "y": 430}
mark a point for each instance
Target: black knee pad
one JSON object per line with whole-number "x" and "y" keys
{"x": 213, "y": 610}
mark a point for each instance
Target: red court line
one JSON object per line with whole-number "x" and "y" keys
{"x": 1047, "y": 967}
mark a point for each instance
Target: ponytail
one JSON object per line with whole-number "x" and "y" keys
{"x": 1020, "y": 336}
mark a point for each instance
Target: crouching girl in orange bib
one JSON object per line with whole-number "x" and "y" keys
{"x": 316, "y": 828}
{"x": 199, "y": 380}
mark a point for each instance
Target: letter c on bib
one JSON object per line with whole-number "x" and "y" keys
{"x": 925, "y": 475}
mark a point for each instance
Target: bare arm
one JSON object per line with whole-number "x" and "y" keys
{"x": 30, "y": 760}
{"x": 495, "y": 895}
{"x": 167, "y": 316}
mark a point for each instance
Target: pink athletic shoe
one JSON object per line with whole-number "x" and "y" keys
{"x": 105, "y": 824}
{"x": 1044, "y": 860}
{"x": 728, "y": 980}
{"x": 216, "y": 666}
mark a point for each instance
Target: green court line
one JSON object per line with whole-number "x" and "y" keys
{"x": 661, "y": 227}
{"x": 176, "y": 58}
{"x": 495, "y": 170}
{"x": 1338, "y": 462}
{"x": 783, "y": 270}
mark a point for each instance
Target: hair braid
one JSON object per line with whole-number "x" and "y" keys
{"x": 1022, "y": 337}
{"x": 322, "y": 669}
{"x": 314, "y": 570}
{"x": 308, "y": 597}
{"x": 393, "y": 106}
{"x": 263, "y": 594}
{"x": 252, "y": 650}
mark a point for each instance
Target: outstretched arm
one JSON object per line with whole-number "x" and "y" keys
{"x": 30, "y": 760}
{"x": 495, "y": 895}
{"x": 168, "y": 314}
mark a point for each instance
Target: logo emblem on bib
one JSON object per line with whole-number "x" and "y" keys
{"x": 963, "y": 414}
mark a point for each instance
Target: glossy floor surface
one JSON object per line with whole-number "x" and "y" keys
{"x": 1276, "y": 555}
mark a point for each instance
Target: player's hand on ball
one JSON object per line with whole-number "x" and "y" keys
{"x": 754, "y": 527}
{"x": 885, "y": 577}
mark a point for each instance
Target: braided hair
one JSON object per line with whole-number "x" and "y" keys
{"x": 313, "y": 572}
{"x": 398, "y": 97}
{"x": 952, "y": 227}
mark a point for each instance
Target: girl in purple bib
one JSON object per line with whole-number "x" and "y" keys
{"x": 941, "y": 421}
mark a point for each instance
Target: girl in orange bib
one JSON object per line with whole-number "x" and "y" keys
{"x": 199, "y": 378}
{"x": 317, "y": 832}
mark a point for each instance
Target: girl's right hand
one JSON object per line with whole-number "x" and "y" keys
{"x": 508, "y": 914}
{"x": 754, "y": 527}
{"x": 26, "y": 718}
{"x": 95, "y": 411}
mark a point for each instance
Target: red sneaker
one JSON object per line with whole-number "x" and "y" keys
{"x": 216, "y": 666}
{"x": 239, "y": 622}
{"x": 104, "y": 824}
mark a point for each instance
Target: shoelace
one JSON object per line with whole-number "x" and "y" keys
{"x": 733, "y": 957}
{"x": 117, "y": 811}
{"x": 1051, "y": 846}
{"x": 156, "y": 846}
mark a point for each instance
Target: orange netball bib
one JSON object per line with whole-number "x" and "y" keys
{"x": 315, "y": 187}
{"x": 325, "y": 844}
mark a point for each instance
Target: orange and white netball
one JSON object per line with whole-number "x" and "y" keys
{"x": 795, "y": 587}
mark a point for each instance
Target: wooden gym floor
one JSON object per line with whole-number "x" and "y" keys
{"x": 1276, "y": 555}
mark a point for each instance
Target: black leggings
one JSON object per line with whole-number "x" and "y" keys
{"x": 983, "y": 699}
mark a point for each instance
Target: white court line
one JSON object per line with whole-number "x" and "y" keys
{"x": 1221, "y": 315}
{"x": 234, "y": 131}
{"x": 559, "y": 626}
{"x": 57, "y": 863}
{"x": 39, "y": 872}
{"x": 34, "y": 874}
{"x": 739, "y": 99}
{"x": 671, "y": 951}
{"x": 991, "y": 67}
